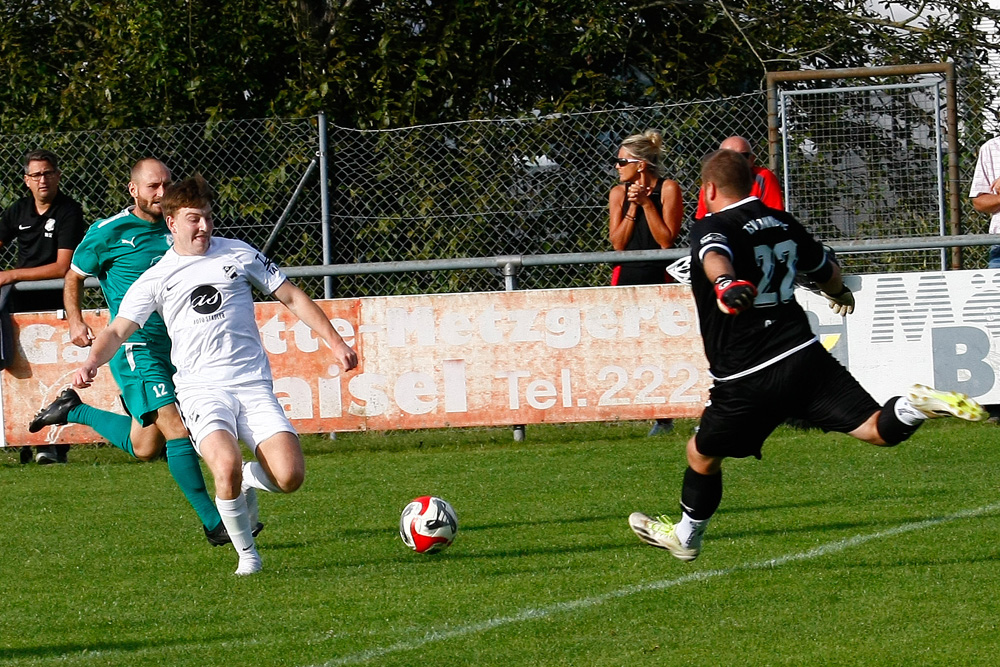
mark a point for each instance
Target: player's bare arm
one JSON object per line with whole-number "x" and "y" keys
{"x": 105, "y": 346}
{"x": 306, "y": 310}
{"x": 80, "y": 334}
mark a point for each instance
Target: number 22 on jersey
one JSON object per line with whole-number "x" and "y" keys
{"x": 777, "y": 263}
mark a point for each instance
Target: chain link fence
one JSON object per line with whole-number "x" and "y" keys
{"x": 254, "y": 165}
{"x": 865, "y": 161}
{"x": 524, "y": 186}
{"x": 979, "y": 118}
{"x": 531, "y": 185}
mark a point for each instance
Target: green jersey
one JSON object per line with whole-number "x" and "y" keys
{"x": 117, "y": 250}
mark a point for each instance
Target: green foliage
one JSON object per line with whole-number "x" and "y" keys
{"x": 826, "y": 552}
{"x": 80, "y": 65}
{"x": 69, "y": 64}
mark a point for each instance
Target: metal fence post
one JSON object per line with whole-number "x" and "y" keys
{"x": 280, "y": 224}
{"x": 511, "y": 268}
{"x": 324, "y": 195}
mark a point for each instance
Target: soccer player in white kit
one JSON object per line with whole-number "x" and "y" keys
{"x": 202, "y": 288}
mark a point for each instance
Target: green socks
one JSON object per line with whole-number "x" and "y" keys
{"x": 111, "y": 426}
{"x": 185, "y": 466}
{"x": 183, "y": 461}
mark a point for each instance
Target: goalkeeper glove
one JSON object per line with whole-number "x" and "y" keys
{"x": 842, "y": 302}
{"x": 733, "y": 296}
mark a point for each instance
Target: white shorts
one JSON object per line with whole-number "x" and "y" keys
{"x": 249, "y": 412}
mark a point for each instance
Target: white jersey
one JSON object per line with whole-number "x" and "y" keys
{"x": 987, "y": 171}
{"x": 207, "y": 304}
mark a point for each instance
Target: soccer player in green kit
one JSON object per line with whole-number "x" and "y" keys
{"x": 118, "y": 250}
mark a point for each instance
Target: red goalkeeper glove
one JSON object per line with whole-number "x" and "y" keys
{"x": 733, "y": 296}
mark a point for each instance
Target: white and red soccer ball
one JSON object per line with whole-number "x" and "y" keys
{"x": 428, "y": 524}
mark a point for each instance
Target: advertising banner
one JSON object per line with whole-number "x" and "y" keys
{"x": 940, "y": 329}
{"x": 537, "y": 356}
{"x": 493, "y": 358}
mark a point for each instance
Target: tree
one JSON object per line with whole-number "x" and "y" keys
{"x": 78, "y": 65}
{"x": 70, "y": 64}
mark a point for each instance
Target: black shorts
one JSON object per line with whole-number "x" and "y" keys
{"x": 809, "y": 384}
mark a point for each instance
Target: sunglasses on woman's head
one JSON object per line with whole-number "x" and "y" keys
{"x": 622, "y": 161}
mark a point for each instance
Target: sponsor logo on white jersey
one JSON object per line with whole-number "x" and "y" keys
{"x": 206, "y": 299}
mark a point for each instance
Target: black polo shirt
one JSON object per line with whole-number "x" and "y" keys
{"x": 40, "y": 237}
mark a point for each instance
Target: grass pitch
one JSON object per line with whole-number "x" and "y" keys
{"x": 827, "y": 552}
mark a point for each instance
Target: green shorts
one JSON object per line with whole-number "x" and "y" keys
{"x": 145, "y": 377}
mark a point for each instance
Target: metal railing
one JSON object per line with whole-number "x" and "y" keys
{"x": 514, "y": 265}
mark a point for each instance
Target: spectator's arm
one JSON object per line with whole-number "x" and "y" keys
{"x": 665, "y": 224}
{"x": 56, "y": 269}
{"x": 621, "y": 226}
{"x": 986, "y": 203}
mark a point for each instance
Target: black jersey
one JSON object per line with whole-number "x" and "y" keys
{"x": 643, "y": 273}
{"x": 768, "y": 248}
{"x": 39, "y": 240}
{"x": 40, "y": 237}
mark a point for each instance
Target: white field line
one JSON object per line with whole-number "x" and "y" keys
{"x": 593, "y": 601}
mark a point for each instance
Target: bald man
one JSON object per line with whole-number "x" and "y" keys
{"x": 765, "y": 184}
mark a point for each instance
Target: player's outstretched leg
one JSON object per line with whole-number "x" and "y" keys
{"x": 936, "y": 403}
{"x": 55, "y": 413}
{"x": 700, "y": 498}
{"x": 68, "y": 408}
{"x": 901, "y": 416}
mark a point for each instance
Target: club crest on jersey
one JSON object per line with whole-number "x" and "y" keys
{"x": 50, "y": 224}
{"x": 230, "y": 271}
{"x": 206, "y": 299}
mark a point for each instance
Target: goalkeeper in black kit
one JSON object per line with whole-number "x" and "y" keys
{"x": 766, "y": 363}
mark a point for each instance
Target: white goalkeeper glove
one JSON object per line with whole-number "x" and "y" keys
{"x": 842, "y": 302}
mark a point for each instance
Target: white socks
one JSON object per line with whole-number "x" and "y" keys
{"x": 252, "y": 508}
{"x": 255, "y": 477}
{"x": 906, "y": 413}
{"x": 236, "y": 517}
{"x": 240, "y": 515}
{"x": 690, "y": 531}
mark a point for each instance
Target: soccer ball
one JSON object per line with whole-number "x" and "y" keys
{"x": 428, "y": 524}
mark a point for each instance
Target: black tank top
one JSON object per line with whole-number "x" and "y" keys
{"x": 643, "y": 273}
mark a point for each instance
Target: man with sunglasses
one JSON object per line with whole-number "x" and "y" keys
{"x": 765, "y": 184}
{"x": 47, "y": 225}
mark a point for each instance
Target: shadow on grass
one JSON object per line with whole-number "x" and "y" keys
{"x": 799, "y": 528}
{"x": 64, "y": 651}
{"x": 839, "y": 500}
{"x": 481, "y": 554}
{"x": 464, "y": 527}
